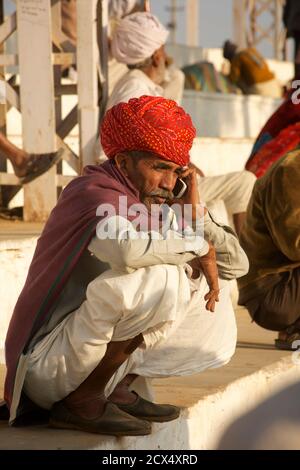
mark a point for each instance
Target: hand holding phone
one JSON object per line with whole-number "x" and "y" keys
{"x": 186, "y": 192}
{"x": 180, "y": 188}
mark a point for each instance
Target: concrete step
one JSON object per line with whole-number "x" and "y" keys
{"x": 17, "y": 245}
{"x": 210, "y": 400}
{"x": 217, "y": 156}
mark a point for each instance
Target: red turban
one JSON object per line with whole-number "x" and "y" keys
{"x": 149, "y": 124}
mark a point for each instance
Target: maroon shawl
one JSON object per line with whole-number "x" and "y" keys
{"x": 66, "y": 235}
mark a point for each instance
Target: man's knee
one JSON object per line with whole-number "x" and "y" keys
{"x": 248, "y": 180}
{"x": 274, "y": 317}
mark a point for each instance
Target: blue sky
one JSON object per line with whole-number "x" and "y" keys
{"x": 215, "y": 23}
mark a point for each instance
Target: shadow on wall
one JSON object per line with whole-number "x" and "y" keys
{"x": 273, "y": 425}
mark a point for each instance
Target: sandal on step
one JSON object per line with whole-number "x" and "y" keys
{"x": 39, "y": 164}
{"x": 291, "y": 343}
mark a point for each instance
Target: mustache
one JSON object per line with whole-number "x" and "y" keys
{"x": 169, "y": 195}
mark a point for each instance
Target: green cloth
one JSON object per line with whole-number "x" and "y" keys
{"x": 271, "y": 234}
{"x": 203, "y": 76}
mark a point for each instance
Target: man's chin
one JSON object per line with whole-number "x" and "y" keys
{"x": 153, "y": 200}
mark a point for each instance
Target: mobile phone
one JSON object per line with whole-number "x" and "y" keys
{"x": 179, "y": 189}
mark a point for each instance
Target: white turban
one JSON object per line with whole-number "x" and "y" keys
{"x": 119, "y": 8}
{"x": 137, "y": 37}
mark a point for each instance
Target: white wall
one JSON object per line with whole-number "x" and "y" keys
{"x": 227, "y": 115}
{"x": 15, "y": 258}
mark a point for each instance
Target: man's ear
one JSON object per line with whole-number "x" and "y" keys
{"x": 156, "y": 58}
{"x": 122, "y": 162}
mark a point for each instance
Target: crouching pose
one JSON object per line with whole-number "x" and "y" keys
{"x": 119, "y": 290}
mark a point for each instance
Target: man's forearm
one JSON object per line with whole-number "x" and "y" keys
{"x": 125, "y": 251}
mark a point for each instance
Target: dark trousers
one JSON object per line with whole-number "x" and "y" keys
{"x": 279, "y": 307}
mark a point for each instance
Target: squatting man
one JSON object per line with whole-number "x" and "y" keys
{"x": 97, "y": 316}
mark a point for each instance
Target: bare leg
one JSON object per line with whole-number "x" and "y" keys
{"x": 238, "y": 220}
{"x": 88, "y": 400}
{"x": 121, "y": 394}
{"x": 28, "y": 166}
{"x": 17, "y": 156}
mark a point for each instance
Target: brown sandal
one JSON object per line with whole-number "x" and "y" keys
{"x": 290, "y": 343}
{"x": 39, "y": 164}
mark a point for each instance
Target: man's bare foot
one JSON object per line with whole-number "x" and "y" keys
{"x": 282, "y": 335}
{"x": 121, "y": 394}
{"x": 20, "y": 163}
{"x": 88, "y": 408}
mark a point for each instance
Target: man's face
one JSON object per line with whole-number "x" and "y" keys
{"x": 153, "y": 177}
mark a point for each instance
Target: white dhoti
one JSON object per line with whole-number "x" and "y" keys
{"x": 162, "y": 303}
{"x": 270, "y": 88}
{"x": 234, "y": 189}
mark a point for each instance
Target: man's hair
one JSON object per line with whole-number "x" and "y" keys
{"x": 229, "y": 49}
{"x": 141, "y": 65}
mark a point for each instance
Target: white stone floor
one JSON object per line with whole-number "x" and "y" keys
{"x": 210, "y": 400}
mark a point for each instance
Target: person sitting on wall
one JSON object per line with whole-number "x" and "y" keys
{"x": 250, "y": 72}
